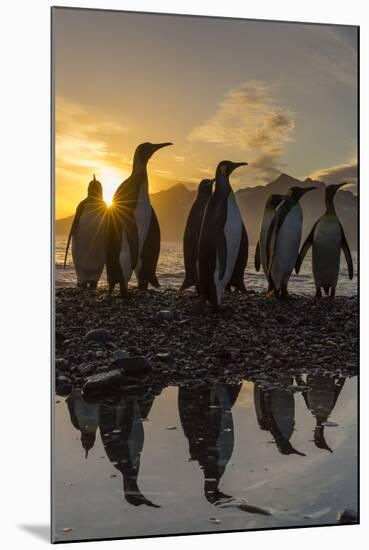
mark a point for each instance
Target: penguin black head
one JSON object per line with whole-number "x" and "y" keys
{"x": 274, "y": 200}
{"x": 88, "y": 441}
{"x": 319, "y": 438}
{"x": 295, "y": 193}
{"x": 226, "y": 167}
{"x": 331, "y": 190}
{"x": 95, "y": 189}
{"x": 206, "y": 186}
{"x": 146, "y": 150}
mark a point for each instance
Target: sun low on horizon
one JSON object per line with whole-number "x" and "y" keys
{"x": 110, "y": 179}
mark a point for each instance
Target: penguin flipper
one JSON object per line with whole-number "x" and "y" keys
{"x": 346, "y": 250}
{"x": 304, "y": 249}
{"x": 150, "y": 252}
{"x": 257, "y": 260}
{"x": 241, "y": 262}
{"x": 74, "y": 225}
{"x": 222, "y": 254}
{"x": 270, "y": 243}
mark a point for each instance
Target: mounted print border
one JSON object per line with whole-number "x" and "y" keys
{"x": 205, "y": 274}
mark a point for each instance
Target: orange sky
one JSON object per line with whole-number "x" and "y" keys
{"x": 282, "y": 97}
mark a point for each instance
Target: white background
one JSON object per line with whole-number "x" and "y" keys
{"x": 25, "y": 252}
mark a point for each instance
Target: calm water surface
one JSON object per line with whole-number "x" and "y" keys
{"x": 219, "y": 457}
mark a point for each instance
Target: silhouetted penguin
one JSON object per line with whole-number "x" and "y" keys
{"x": 133, "y": 233}
{"x": 260, "y": 253}
{"x": 192, "y": 233}
{"x": 275, "y": 412}
{"x": 207, "y": 422}
{"x": 84, "y": 417}
{"x": 123, "y": 438}
{"x": 223, "y": 245}
{"x": 88, "y": 237}
{"x": 327, "y": 238}
{"x": 321, "y": 399}
{"x": 283, "y": 241}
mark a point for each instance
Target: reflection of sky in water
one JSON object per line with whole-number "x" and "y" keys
{"x": 171, "y": 271}
{"x": 232, "y": 455}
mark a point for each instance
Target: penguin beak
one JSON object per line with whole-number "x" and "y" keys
{"x": 157, "y": 146}
{"x": 237, "y": 165}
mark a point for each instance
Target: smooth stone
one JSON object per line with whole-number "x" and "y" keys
{"x": 132, "y": 366}
{"x": 63, "y": 385}
{"x": 163, "y": 356}
{"x": 86, "y": 369}
{"x": 61, "y": 364}
{"x": 99, "y": 335}
{"x": 105, "y": 382}
{"x": 120, "y": 354}
{"x": 166, "y": 314}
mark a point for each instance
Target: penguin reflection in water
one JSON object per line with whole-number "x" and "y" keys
{"x": 327, "y": 238}
{"x": 223, "y": 244}
{"x": 207, "y": 422}
{"x": 88, "y": 237}
{"x": 283, "y": 241}
{"x": 84, "y": 417}
{"x": 275, "y": 413}
{"x": 192, "y": 233}
{"x": 273, "y": 202}
{"x": 133, "y": 233}
{"x": 321, "y": 400}
{"x": 123, "y": 437}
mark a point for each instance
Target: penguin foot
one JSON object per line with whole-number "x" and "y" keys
{"x": 142, "y": 285}
{"x": 123, "y": 291}
{"x": 271, "y": 294}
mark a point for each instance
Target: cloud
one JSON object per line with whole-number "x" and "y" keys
{"x": 337, "y": 61}
{"x": 338, "y": 174}
{"x": 82, "y": 138}
{"x": 248, "y": 119}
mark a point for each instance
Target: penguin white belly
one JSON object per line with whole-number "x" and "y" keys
{"x": 287, "y": 247}
{"x": 232, "y": 232}
{"x": 142, "y": 215}
{"x": 267, "y": 220}
{"x": 88, "y": 245}
{"x": 326, "y": 252}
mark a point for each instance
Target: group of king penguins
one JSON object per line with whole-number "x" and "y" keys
{"x": 126, "y": 237}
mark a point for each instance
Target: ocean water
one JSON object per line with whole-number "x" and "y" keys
{"x": 205, "y": 459}
{"x": 171, "y": 271}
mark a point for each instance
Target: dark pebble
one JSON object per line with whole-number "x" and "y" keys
{"x": 99, "y": 335}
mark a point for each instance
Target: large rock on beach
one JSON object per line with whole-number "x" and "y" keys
{"x": 132, "y": 366}
{"x": 103, "y": 384}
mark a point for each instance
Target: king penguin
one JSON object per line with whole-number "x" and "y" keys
{"x": 192, "y": 232}
{"x": 260, "y": 253}
{"x": 283, "y": 241}
{"x": 327, "y": 238}
{"x": 88, "y": 237}
{"x": 223, "y": 243}
{"x": 133, "y": 232}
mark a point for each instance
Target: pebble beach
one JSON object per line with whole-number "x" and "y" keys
{"x": 184, "y": 342}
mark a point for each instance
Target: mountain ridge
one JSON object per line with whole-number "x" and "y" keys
{"x": 173, "y": 204}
